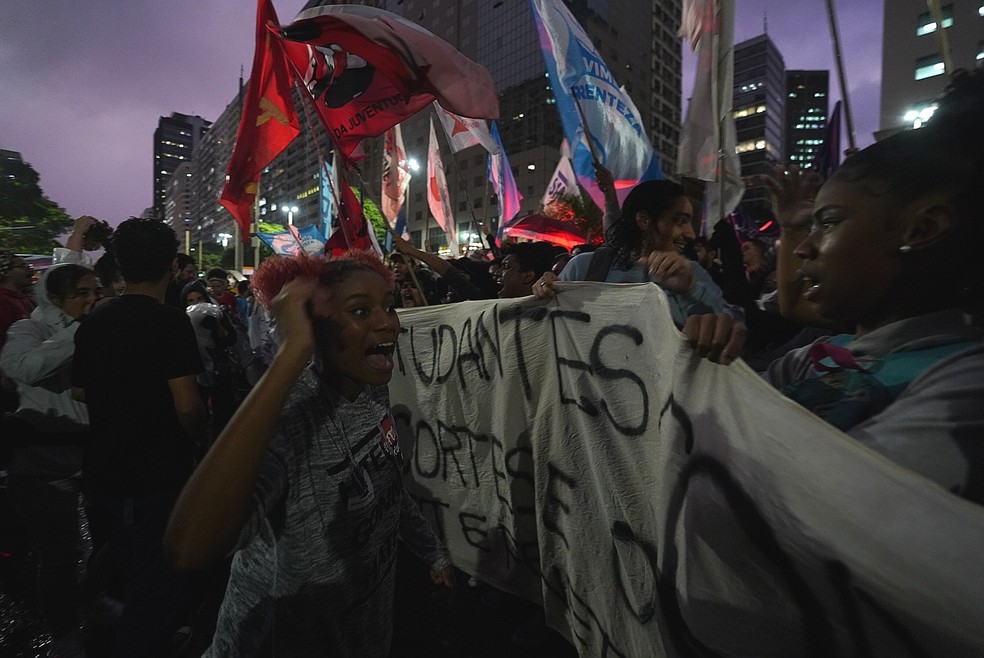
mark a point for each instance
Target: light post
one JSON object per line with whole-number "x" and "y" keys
{"x": 290, "y": 214}
{"x": 187, "y": 225}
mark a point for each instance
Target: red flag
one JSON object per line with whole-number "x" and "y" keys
{"x": 369, "y": 69}
{"x": 396, "y": 175}
{"x": 268, "y": 123}
{"x": 353, "y": 230}
{"x": 438, "y": 199}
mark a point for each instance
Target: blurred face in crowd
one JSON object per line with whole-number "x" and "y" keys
{"x": 217, "y": 287}
{"x": 356, "y": 328}
{"x": 514, "y": 282}
{"x": 671, "y": 231}
{"x": 186, "y": 274}
{"x": 398, "y": 266}
{"x": 195, "y": 297}
{"x": 751, "y": 255}
{"x": 705, "y": 256}
{"x": 20, "y": 275}
{"x": 78, "y": 301}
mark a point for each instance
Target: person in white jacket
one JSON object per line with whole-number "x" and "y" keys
{"x": 44, "y": 471}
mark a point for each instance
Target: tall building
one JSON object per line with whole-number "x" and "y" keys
{"x": 290, "y": 180}
{"x": 807, "y": 109}
{"x": 759, "y": 111}
{"x": 912, "y": 60}
{"x": 179, "y": 201}
{"x": 175, "y": 140}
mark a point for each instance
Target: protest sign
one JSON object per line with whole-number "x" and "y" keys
{"x": 578, "y": 453}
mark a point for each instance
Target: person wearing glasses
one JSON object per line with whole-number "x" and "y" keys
{"x": 44, "y": 473}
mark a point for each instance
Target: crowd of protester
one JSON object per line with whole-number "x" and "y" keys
{"x": 191, "y": 418}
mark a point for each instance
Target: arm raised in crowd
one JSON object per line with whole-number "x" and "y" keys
{"x": 213, "y": 506}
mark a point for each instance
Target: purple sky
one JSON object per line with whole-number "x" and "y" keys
{"x": 82, "y": 84}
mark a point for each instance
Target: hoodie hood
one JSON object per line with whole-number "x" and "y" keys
{"x": 46, "y": 312}
{"x": 197, "y": 286}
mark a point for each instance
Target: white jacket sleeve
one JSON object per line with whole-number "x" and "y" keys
{"x": 63, "y": 255}
{"x": 28, "y": 357}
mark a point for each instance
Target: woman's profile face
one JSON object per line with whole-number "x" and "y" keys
{"x": 356, "y": 328}
{"x": 79, "y": 300}
{"x": 851, "y": 260}
{"x": 195, "y": 297}
{"x": 672, "y": 230}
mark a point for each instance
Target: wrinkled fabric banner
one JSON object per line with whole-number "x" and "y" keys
{"x": 576, "y": 452}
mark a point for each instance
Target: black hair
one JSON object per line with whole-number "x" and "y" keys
{"x": 144, "y": 249}
{"x": 61, "y": 281}
{"x": 653, "y": 197}
{"x": 535, "y": 257}
{"x": 216, "y": 273}
{"x": 242, "y": 287}
{"x": 106, "y": 269}
{"x": 184, "y": 260}
{"x": 944, "y": 157}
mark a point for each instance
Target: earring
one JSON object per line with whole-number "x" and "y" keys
{"x": 905, "y": 249}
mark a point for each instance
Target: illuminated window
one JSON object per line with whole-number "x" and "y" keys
{"x": 928, "y": 67}
{"x": 748, "y": 111}
{"x": 926, "y": 25}
{"x": 980, "y": 49}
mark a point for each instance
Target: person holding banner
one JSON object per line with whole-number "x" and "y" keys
{"x": 305, "y": 482}
{"x": 893, "y": 250}
{"x": 645, "y": 242}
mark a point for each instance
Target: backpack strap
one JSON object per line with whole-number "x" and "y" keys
{"x": 601, "y": 263}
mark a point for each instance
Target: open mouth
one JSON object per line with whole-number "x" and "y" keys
{"x": 380, "y": 356}
{"x": 813, "y": 286}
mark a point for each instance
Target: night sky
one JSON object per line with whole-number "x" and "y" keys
{"x": 83, "y": 83}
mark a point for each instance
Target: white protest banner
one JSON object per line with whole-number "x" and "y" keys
{"x": 578, "y": 453}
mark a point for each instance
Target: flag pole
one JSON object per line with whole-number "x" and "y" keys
{"x": 587, "y": 131}
{"x": 851, "y": 142}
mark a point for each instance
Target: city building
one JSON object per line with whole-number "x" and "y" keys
{"x": 500, "y": 35}
{"x": 913, "y": 67}
{"x": 759, "y": 112}
{"x": 175, "y": 140}
{"x": 807, "y": 110}
{"x": 179, "y": 200}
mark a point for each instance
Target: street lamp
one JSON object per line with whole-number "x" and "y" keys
{"x": 223, "y": 239}
{"x": 290, "y": 214}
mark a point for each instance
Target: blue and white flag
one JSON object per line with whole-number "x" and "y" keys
{"x": 562, "y": 183}
{"x": 503, "y": 182}
{"x": 578, "y": 75}
{"x": 309, "y": 240}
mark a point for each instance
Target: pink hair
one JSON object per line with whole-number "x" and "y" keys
{"x": 274, "y": 273}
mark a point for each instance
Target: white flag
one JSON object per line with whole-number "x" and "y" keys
{"x": 463, "y": 132}
{"x": 562, "y": 183}
{"x": 707, "y": 141}
{"x": 396, "y": 174}
{"x": 438, "y": 199}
